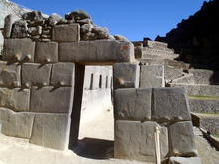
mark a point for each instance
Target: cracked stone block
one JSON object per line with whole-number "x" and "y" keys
{"x": 182, "y": 140}
{"x": 46, "y": 52}
{"x": 15, "y": 99}
{"x": 36, "y": 74}
{"x": 152, "y": 76}
{"x": 126, "y": 75}
{"x": 98, "y": 51}
{"x": 170, "y": 104}
{"x": 133, "y": 104}
{"x": 51, "y": 130}
{"x": 63, "y": 74}
{"x": 19, "y": 50}
{"x": 66, "y": 33}
{"x": 16, "y": 124}
{"x": 50, "y": 100}
{"x": 135, "y": 140}
{"x": 10, "y": 75}
{"x": 183, "y": 160}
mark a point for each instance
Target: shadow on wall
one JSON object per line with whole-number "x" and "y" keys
{"x": 94, "y": 148}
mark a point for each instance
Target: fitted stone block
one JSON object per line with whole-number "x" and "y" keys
{"x": 182, "y": 160}
{"x": 51, "y": 130}
{"x": 135, "y": 140}
{"x": 36, "y": 74}
{"x": 181, "y": 138}
{"x": 126, "y": 75}
{"x": 10, "y": 75}
{"x": 98, "y": 51}
{"x": 63, "y": 73}
{"x": 132, "y": 104}
{"x": 19, "y": 50}
{"x": 16, "y": 124}
{"x": 186, "y": 79}
{"x": 46, "y": 52}
{"x": 66, "y": 33}
{"x": 152, "y": 76}
{"x": 15, "y": 99}
{"x": 49, "y": 100}
{"x": 170, "y": 104}
{"x": 9, "y": 20}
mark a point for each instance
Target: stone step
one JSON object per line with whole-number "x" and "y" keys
{"x": 155, "y": 44}
{"x": 203, "y": 105}
{"x": 200, "y": 89}
{"x": 171, "y": 73}
{"x": 156, "y": 51}
{"x": 203, "y": 76}
{"x": 185, "y": 79}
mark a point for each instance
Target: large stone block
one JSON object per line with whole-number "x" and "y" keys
{"x": 183, "y": 160}
{"x": 132, "y": 104}
{"x": 49, "y": 100}
{"x": 19, "y": 50}
{"x": 98, "y": 51}
{"x": 51, "y": 130}
{"x": 66, "y": 33}
{"x": 36, "y": 74}
{"x": 10, "y": 75}
{"x": 170, "y": 104}
{"x": 152, "y": 76}
{"x": 63, "y": 74}
{"x": 15, "y": 99}
{"x": 46, "y": 52}
{"x": 135, "y": 140}
{"x": 9, "y": 20}
{"x": 16, "y": 124}
{"x": 181, "y": 138}
{"x": 126, "y": 75}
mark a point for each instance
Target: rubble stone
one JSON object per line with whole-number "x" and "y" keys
{"x": 19, "y": 29}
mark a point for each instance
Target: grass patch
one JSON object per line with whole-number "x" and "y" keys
{"x": 197, "y": 97}
{"x": 207, "y": 114}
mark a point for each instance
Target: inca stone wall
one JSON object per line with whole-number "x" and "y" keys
{"x": 42, "y": 83}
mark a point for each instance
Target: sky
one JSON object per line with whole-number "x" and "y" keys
{"x": 134, "y": 19}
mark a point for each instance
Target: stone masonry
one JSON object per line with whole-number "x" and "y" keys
{"x": 41, "y": 87}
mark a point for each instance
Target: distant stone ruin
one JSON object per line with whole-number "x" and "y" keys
{"x": 42, "y": 77}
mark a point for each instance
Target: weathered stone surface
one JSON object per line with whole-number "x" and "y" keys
{"x": 126, "y": 75}
{"x": 35, "y": 74}
{"x": 9, "y": 20}
{"x": 15, "y": 99}
{"x": 199, "y": 89}
{"x": 16, "y": 124}
{"x": 46, "y": 52}
{"x": 132, "y": 104}
{"x": 63, "y": 74}
{"x": 98, "y": 51}
{"x": 183, "y": 160}
{"x": 18, "y": 50}
{"x": 201, "y": 105}
{"x": 170, "y": 104}
{"x": 152, "y": 76}
{"x": 181, "y": 138}
{"x": 9, "y": 75}
{"x": 49, "y": 100}
{"x": 135, "y": 140}
{"x": 186, "y": 79}
{"x": 171, "y": 73}
{"x": 66, "y": 33}
{"x": 51, "y": 130}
